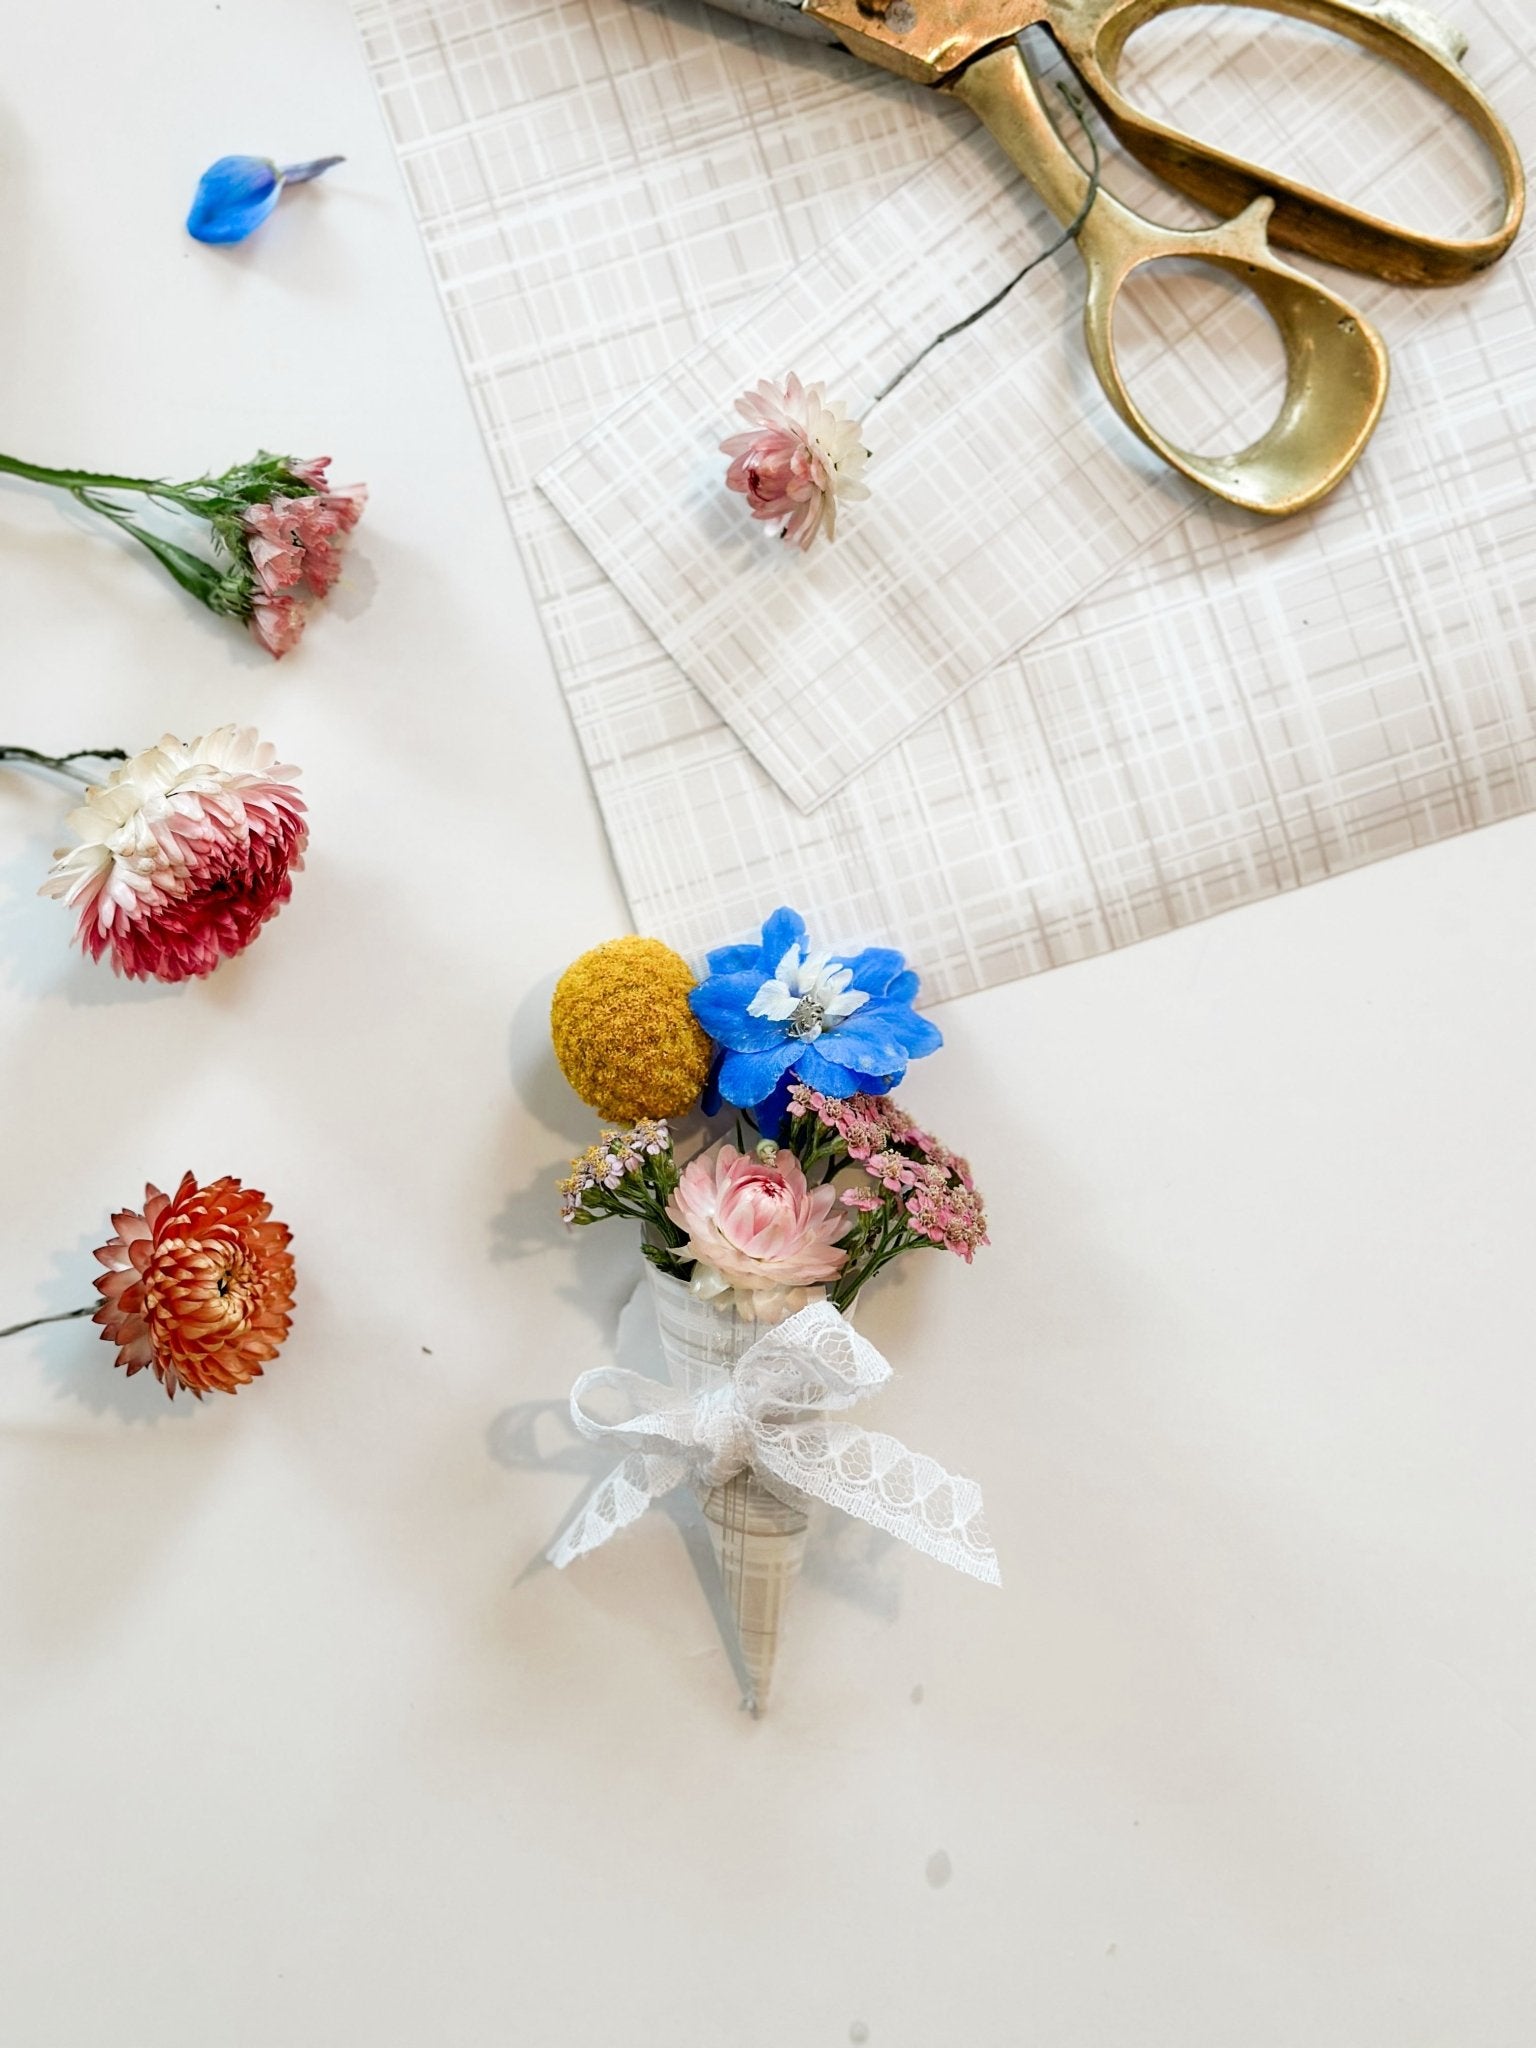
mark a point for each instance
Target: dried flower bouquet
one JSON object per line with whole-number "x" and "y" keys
{"x": 799, "y": 1180}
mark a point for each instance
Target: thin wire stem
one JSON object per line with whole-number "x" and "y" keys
{"x": 1068, "y": 234}
{"x": 60, "y": 763}
{"x": 68, "y": 1315}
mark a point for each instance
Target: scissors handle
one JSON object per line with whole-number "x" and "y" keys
{"x": 1336, "y": 364}
{"x": 1094, "y": 34}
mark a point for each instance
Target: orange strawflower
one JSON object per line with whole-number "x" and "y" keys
{"x": 198, "y": 1287}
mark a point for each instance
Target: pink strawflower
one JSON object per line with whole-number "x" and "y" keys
{"x": 757, "y": 1230}
{"x": 185, "y": 852}
{"x": 801, "y": 456}
{"x": 295, "y": 543}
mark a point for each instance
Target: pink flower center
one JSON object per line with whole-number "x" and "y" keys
{"x": 757, "y": 1208}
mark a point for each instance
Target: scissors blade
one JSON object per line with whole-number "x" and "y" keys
{"x": 787, "y": 15}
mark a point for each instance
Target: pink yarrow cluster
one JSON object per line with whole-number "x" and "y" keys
{"x": 939, "y": 1206}
{"x": 295, "y": 546}
{"x": 933, "y": 1184}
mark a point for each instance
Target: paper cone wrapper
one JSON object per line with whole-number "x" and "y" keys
{"x": 758, "y": 1539}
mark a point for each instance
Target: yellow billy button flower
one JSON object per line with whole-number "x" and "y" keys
{"x": 623, "y": 1033}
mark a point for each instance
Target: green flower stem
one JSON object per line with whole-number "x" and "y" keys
{"x": 201, "y": 578}
{"x": 82, "y": 479}
{"x": 68, "y": 1315}
{"x": 195, "y": 575}
{"x": 61, "y": 763}
{"x": 891, "y": 1238}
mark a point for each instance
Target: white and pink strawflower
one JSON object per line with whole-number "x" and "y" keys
{"x": 801, "y": 456}
{"x": 756, "y": 1230}
{"x": 184, "y": 853}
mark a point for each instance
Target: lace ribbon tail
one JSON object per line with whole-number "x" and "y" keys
{"x": 615, "y": 1502}
{"x": 902, "y": 1492}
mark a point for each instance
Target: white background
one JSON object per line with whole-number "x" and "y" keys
{"x": 294, "y": 1755}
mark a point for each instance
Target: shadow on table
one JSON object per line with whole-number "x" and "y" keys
{"x": 539, "y": 1436}
{"x": 76, "y": 1362}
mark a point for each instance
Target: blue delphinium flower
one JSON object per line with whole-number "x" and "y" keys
{"x": 780, "y": 1012}
{"x": 235, "y": 195}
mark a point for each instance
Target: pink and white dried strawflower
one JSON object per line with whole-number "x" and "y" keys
{"x": 184, "y": 853}
{"x": 801, "y": 456}
{"x": 757, "y": 1231}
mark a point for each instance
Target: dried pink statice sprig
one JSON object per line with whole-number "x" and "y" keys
{"x": 801, "y": 456}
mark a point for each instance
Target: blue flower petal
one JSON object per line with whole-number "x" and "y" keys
{"x": 866, "y": 1053}
{"x": 866, "y": 1043}
{"x": 720, "y": 1004}
{"x": 769, "y": 1115}
{"x": 784, "y": 929}
{"x": 747, "y": 1078}
{"x": 875, "y": 969}
{"x": 734, "y": 959}
{"x": 875, "y": 1084}
{"x": 709, "y": 1101}
{"x": 233, "y": 196}
{"x": 917, "y": 1035}
{"x": 818, "y": 1072}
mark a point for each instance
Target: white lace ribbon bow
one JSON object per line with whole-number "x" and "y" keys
{"x": 779, "y": 1414}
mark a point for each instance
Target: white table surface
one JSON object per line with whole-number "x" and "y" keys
{"x": 293, "y": 1755}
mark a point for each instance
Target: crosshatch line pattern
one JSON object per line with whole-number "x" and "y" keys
{"x": 1007, "y": 489}
{"x": 1240, "y": 710}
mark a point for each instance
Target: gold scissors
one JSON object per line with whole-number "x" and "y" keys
{"x": 1336, "y": 362}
